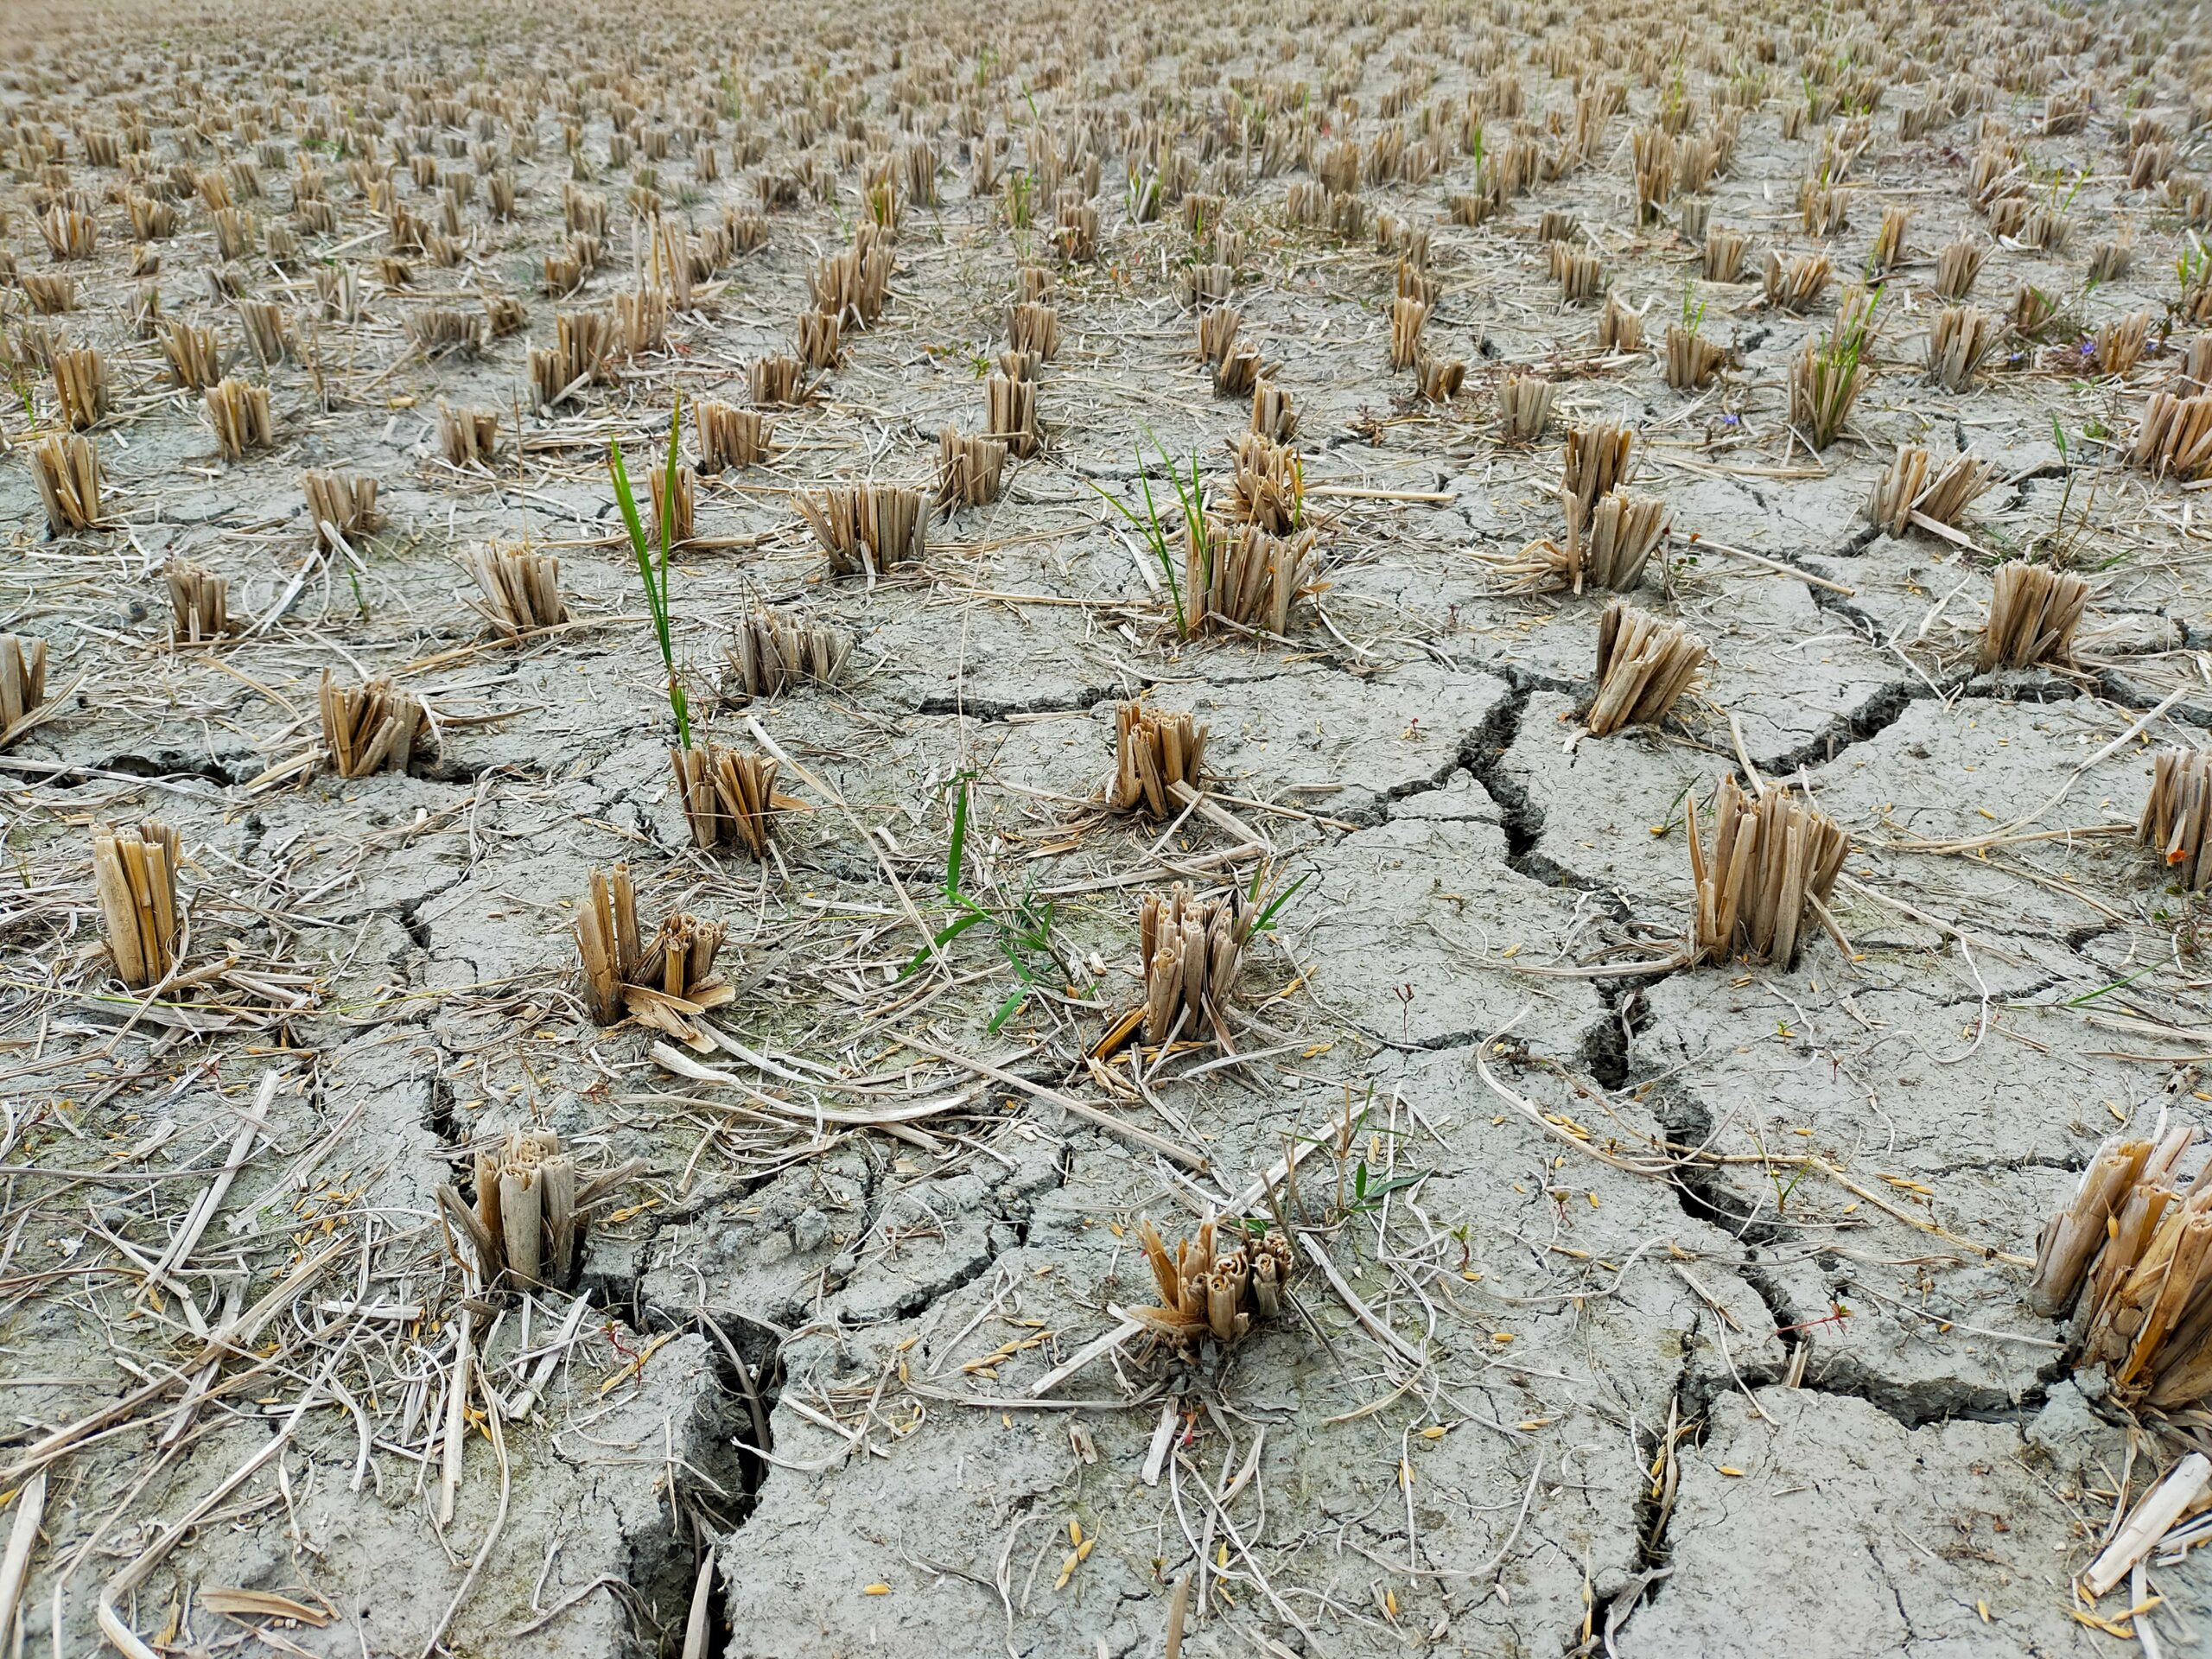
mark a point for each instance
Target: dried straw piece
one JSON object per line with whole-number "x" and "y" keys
{"x": 532, "y": 1209}
{"x": 134, "y": 872}
{"x": 23, "y": 681}
{"x": 582, "y": 349}
{"x": 729, "y": 436}
{"x": 1273, "y": 415}
{"x": 1440, "y": 378}
{"x": 1524, "y": 407}
{"x": 344, "y": 502}
{"x": 1692, "y": 359}
{"x": 683, "y": 525}
{"x": 1206, "y": 1290}
{"x": 868, "y": 527}
{"x": 1596, "y": 459}
{"x": 821, "y": 339}
{"x": 968, "y": 469}
{"x": 2117, "y": 346}
{"x": 1032, "y": 326}
{"x": 240, "y": 417}
{"x": 1723, "y": 255}
{"x": 49, "y": 295}
{"x": 2033, "y": 311}
{"x": 1888, "y": 251}
{"x": 1218, "y": 326}
{"x": 68, "y": 469}
{"x": 1794, "y": 284}
{"x": 1958, "y": 340}
{"x": 728, "y": 795}
{"x": 1581, "y": 276}
{"x": 196, "y": 362}
{"x": 1191, "y": 949}
{"x": 1155, "y": 755}
{"x": 1905, "y": 491}
{"x": 1825, "y": 379}
{"x": 200, "y": 603}
{"x": 2175, "y": 438}
{"x": 1608, "y": 543}
{"x": 2174, "y": 819}
{"x": 1619, "y": 329}
{"x": 1957, "y": 266}
{"x": 1240, "y": 370}
{"x": 1245, "y": 575}
{"x": 2075, "y": 1233}
{"x": 367, "y": 728}
{"x": 1644, "y": 664}
{"x": 1408, "y": 318}
{"x": 80, "y": 387}
{"x": 1203, "y": 285}
{"x": 2033, "y": 612}
{"x": 437, "y": 329}
{"x": 468, "y": 437}
{"x": 769, "y": 651}
{"x": 521, "y": 590}
{"x": 778, "y": 381}
{"x": 1011, "y": 406}
{"x": 2132, "y": 1246}
{"x": 268, "y": 330}
{"x": 1267, "y": 486}
{"x": 1774, "y": 856}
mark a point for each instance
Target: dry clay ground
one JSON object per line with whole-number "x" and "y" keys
{"x": 1572, "y": 1387}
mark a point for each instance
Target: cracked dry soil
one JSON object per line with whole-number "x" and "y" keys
{"x": 1781, "y": 1394}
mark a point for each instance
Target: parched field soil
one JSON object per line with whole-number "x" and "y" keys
{"x": 1647, "y": 1295}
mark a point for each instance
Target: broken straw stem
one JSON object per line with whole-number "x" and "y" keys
{"x": 1695, "y": 539}
{"x": 2148, "y": 1524}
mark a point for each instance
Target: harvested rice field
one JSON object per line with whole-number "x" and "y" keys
{"x": 1368, "y": 827}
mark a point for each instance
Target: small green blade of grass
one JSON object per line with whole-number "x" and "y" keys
{"x": 959, "y": 843}
{"x": 2117, "y": 984}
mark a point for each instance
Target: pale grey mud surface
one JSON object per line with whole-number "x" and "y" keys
{"x": 1676, "y": 1310}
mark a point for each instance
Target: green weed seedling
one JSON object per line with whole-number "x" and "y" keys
{"x": 654, "y": 574}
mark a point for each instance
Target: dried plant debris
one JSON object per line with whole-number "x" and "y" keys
{"x": 371, "y": 728}
{"x": 869, "y": 528}
{"x": 200, "y": 603}
{"x": 1645, "y": 665}
{"x": 729, "y": 436}
{"x": 468, "y": 437}
{"x": 1212, "y": 1286}
{"x": 2174, "y": 817}
{"x": 339, "y": 506}
{"x": 2130, "y": 1253}
{"x": 1906, "y": 493}
{"x": 623, "y": 976}
{"x": 67, "y": 469}
{"x": 969, "y": 469}
{"x": 1524, "y": 407}
{"x": 134, "y": 871}
{"x": 517, "y": 591}
{"x": 23, "y": 683}
{"x": 2033, "y": 611}
{"x": 2174, "y": 437}
{"x": 241, "y": 417}
{"x": 883, "y": 293}
{"x": 1774, "y": 862}
{"x": 1158, "y": 758}
{"x": 1958, "y": 340}
{"x": 1242, "y": 575}
{"x": 770, "y": 651}
{"x": 526, "y": 1228}
{"x": 728, "y": 796}
{"x": 1191, "y": 949}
